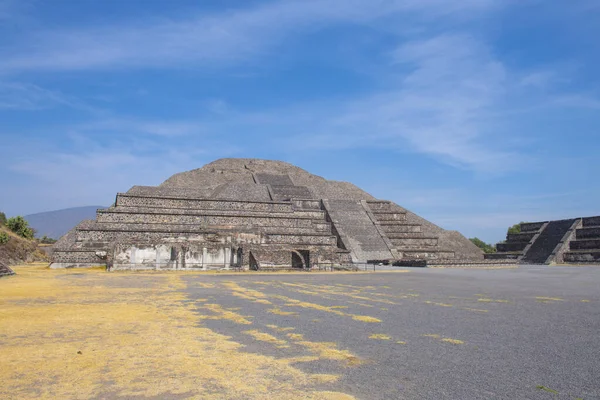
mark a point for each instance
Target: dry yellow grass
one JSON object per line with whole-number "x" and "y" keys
{"x": 265, "y": 337}
{"x": 486, "y": 300}
{"x": 548, "y": 299}
{"x": 438, "y": 304}
{"x": 278, "y": 311}
{"x": 380, "y": 336}
{"x": 76, "y": 335}
{"x": 247, "y": 294}
{"x": 453, "y": 341}
{"x": 297, "y": 303}
{"x": 432, "y": 335}
{"x": 475, "y": 309}
{"x": 444, "y": 340}
{"x": 223, "y": 313}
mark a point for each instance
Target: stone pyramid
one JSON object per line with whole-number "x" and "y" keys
{"x": 255, "y": 214}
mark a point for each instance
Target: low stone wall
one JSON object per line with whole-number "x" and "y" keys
{"x": 200, "y": 204}
{"x": 426, "y": 254}
{"x": 202, "y": 220}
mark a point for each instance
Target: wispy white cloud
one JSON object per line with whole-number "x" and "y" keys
{"x": 441, "y": 90}
{"x": 27, "y": 96}
{"x": 135, "y": 126}
{"x": 225, "y": 37}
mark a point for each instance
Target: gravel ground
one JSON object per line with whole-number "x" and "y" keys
{"x": 526, "y": 333}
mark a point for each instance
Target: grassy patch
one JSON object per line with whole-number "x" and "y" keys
{"x": 380, "y": 336}
{"x": 68, "y": 335}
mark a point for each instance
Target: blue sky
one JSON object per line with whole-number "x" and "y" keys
{"x": 475, "y": 114}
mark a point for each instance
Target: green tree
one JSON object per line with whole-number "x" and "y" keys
{"x": 20, "y": 226}
{"x": 487, "y": 248}
{"x": 516, "y": 228}
{"x": 2, "y": 218}
{"x": 47, "y": 240}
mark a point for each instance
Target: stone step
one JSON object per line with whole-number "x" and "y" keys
{"x": 390, "y": 216}
{"x": 357, "y": 231}
{"x": 511, "y": 246}
{"x": 591, "y": 232}
{"x": 585, "y": 244}
{"x": 316, "y": 228}
{"x": 166, "y": 202}
{"x": 591, "y": 221}
{"x": 393, "y": 228}
{"x": 508, "y": 255}
{"x": 379, "y": 205}
{"x": 202, "y": 220}
{"x": 312, "y": 214}
{"x": 402, "y": 235}
{"x": 531, "y": 226}
{"x": 520, "y": 237}
{"x": 431, "y": 254}
{"x": 582, "y": 256}
{"x": 414, "y": 242}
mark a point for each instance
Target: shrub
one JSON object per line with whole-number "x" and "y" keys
{"x": 4, "y": 238}
{"x": 516, "y": 228}
{"x": 487, "y": 248}
{"x": 2, "y": 218}
{"x": 20, "y": 226}
{"x": 47, "y": 240}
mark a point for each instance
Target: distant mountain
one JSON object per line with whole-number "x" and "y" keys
{"x": 54, "y": 224}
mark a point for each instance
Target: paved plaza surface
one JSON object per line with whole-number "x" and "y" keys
{"x": 526, "y": 333}
{"x": 522, "y": 333}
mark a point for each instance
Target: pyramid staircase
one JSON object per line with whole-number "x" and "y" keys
{"x": 406, "y": 239}
{"x": 563, "y": 241}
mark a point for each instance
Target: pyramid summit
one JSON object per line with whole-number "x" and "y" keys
{"x": 255, "y": 214}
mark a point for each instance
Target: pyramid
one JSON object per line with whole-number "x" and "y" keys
{"x": 255, "y": 214}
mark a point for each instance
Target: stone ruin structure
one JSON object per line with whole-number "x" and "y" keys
{"x": 256, "y": 214}
{"x": 5, "y": 270}
{"x": 574, "y": 240}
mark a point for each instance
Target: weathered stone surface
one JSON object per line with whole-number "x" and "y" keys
{"x": 571, "y": 241}
{"x": 248, "y": 213}
{"x": 5, "y": 270}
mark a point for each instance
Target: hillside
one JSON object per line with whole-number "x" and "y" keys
{"x": 19, "y": 250}
{"x": 55, "y": 224}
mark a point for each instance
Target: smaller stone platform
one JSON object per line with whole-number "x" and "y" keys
{"x": 574, "y": 240}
